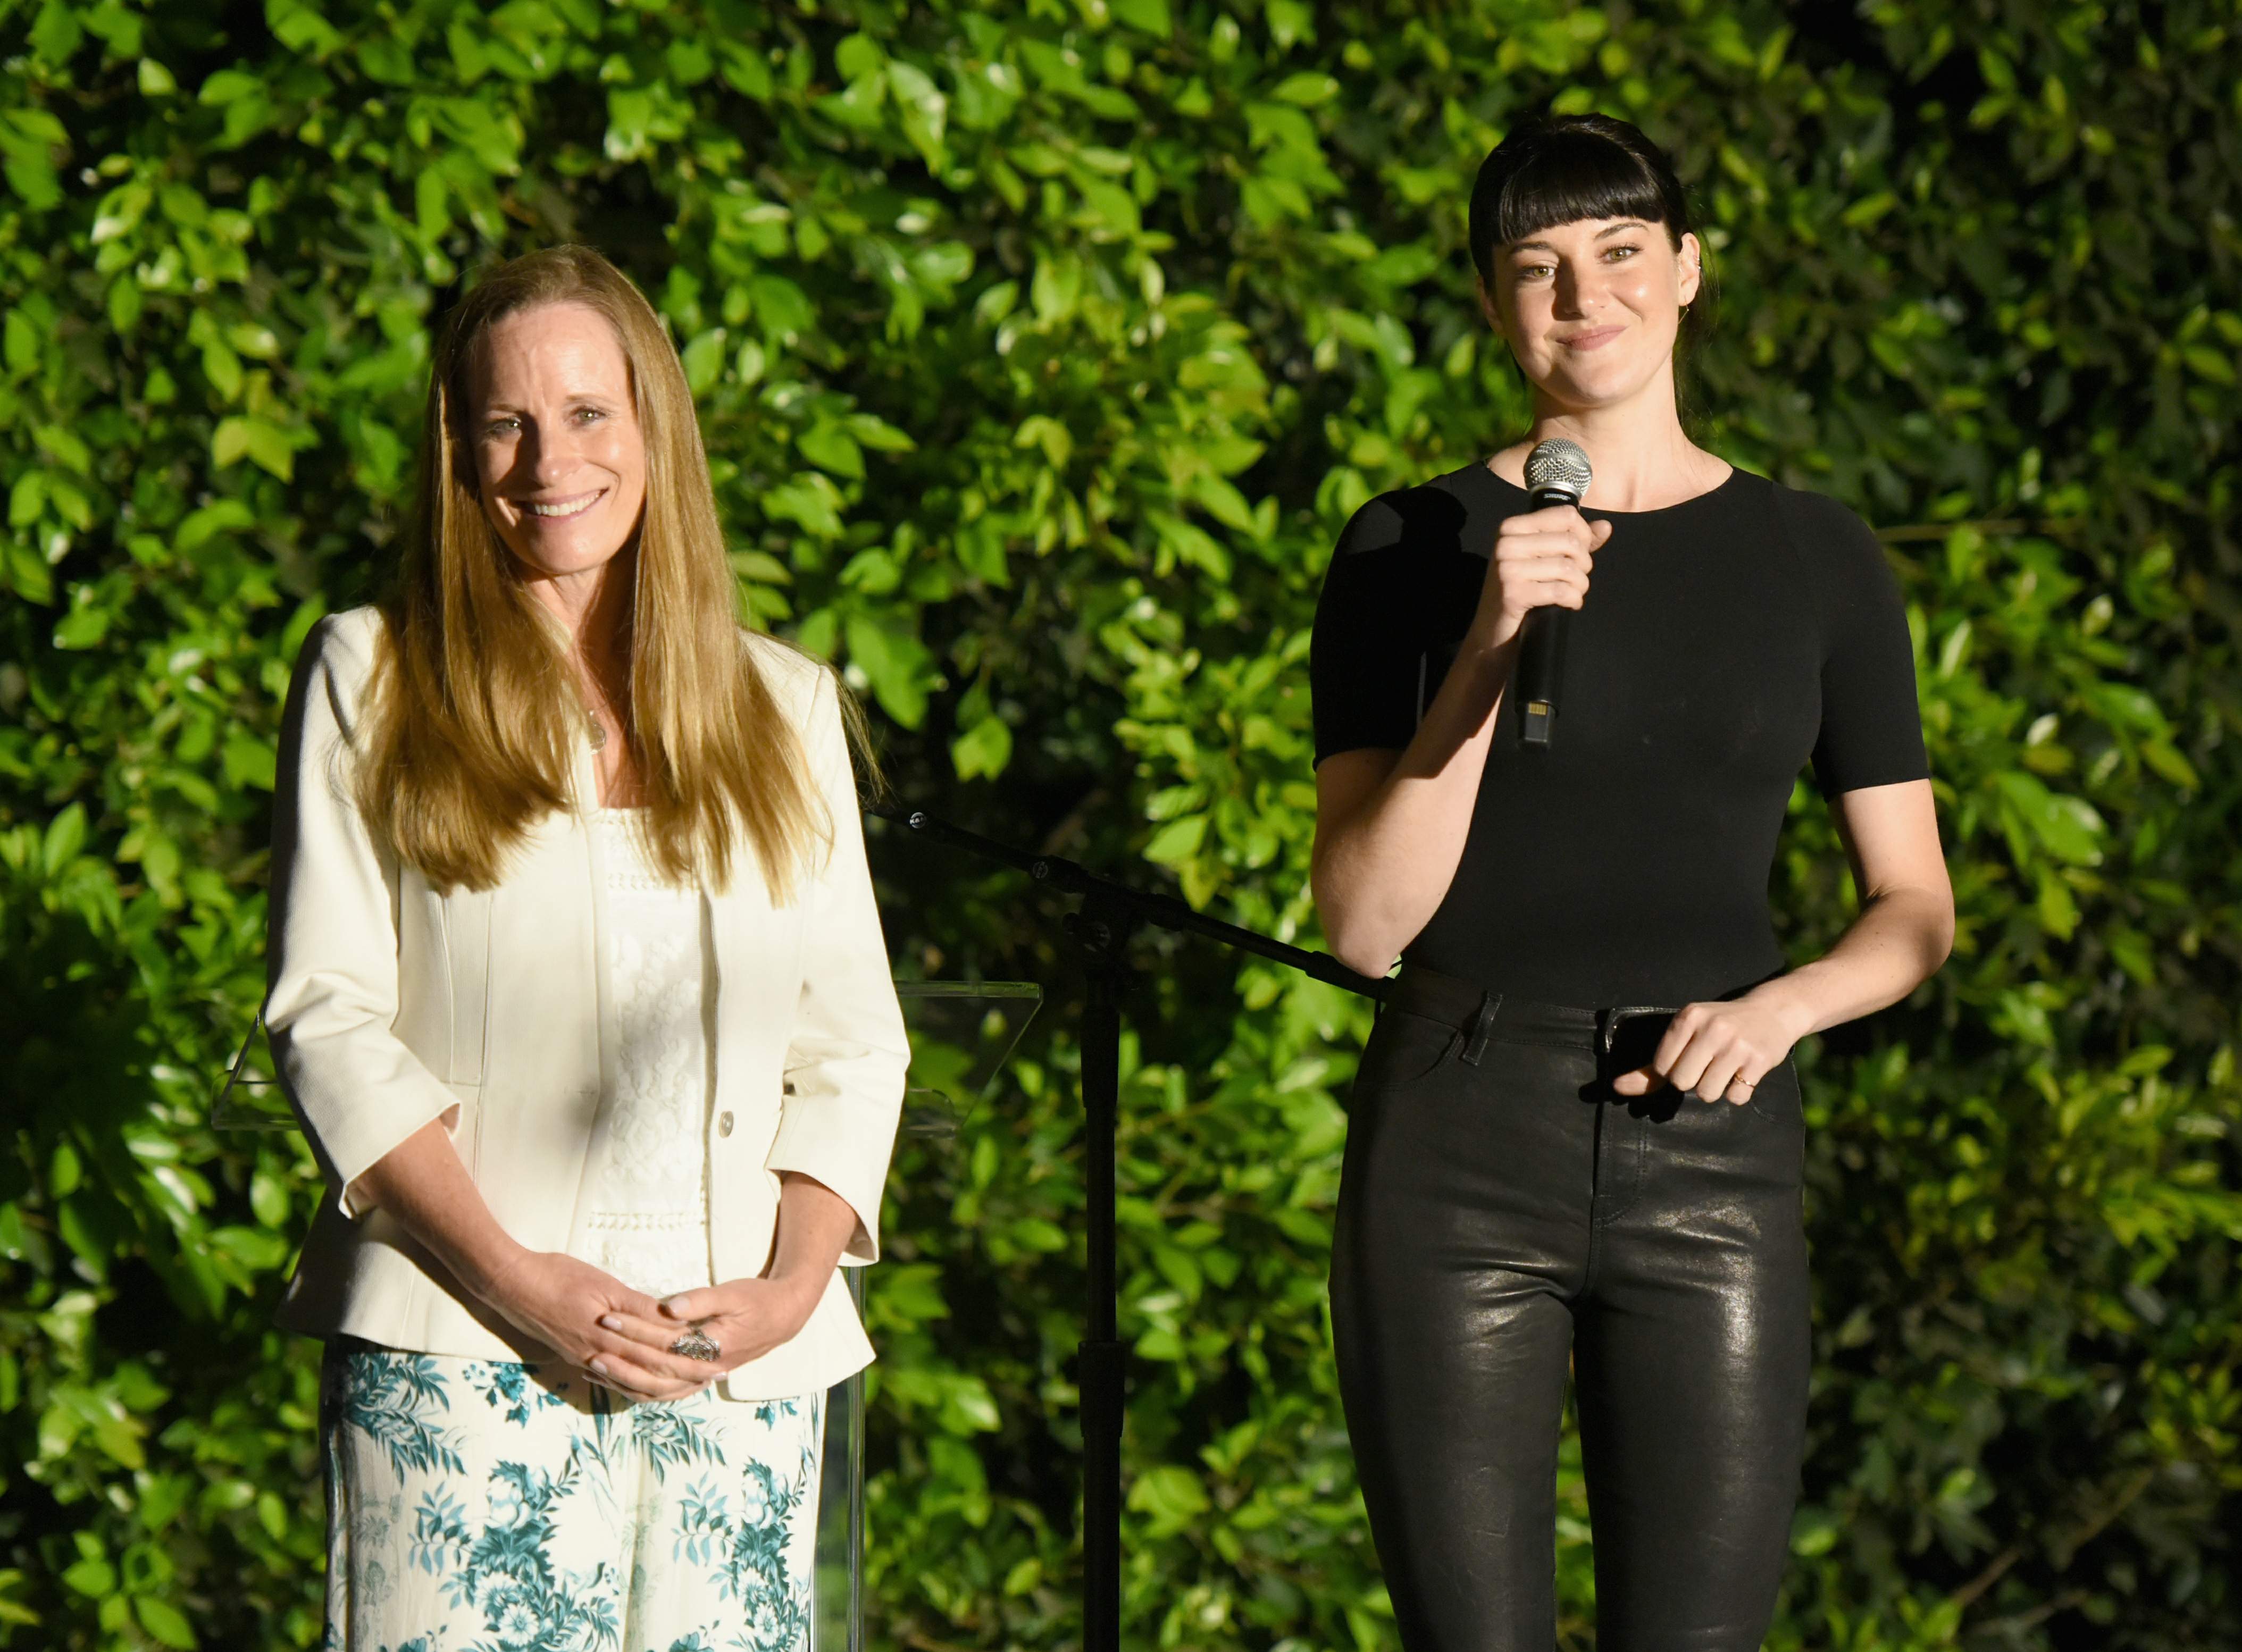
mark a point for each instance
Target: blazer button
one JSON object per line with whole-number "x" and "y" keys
{"x": 723, "y": 1124}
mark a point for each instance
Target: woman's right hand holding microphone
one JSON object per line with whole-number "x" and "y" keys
{"x": 1541, "y": 559}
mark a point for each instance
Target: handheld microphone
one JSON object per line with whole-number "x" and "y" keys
{"x": 1556, "y": 473}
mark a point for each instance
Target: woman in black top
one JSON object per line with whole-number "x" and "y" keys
{"x": 1576, "y": 1133}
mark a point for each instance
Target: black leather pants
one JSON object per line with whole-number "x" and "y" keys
{"x": 1499, "y": 1216}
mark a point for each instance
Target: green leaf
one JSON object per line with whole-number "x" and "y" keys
{"x": 704, "y": 361}
{"x": 830, "y": 447}
{"x": 200, "y": 528}
{"x": 223, "y": 368}
{"x": 983, "y": 751}
{"x": 23, "y": 344}
{"x": 91, "y": 1576}
{"x": 858, "y": 58}
{"x": 925, "y": 110}
{"x": 265, "y": 444}
{"x": 54, "y": 33}
{"x": 2168, "y": 760}
{"x": 27, "y": 500}
{"x": 896, "y": 663}
{"x": 2068, "y": 827}
{"x": 1869, "y": 208}
{"x": 26, "y": 572}
{"x": 1170, "y": 1497}
{"x": 250, "y": 761}
{"x": 65, "y": 838}
{"x": 1146, "y": 16}
{"x": 876, "y": 432}
{"x": 79, "y": 1224}
{"x": 297, "y": 25}
{"x": 1177, "y": 842}
{"x": 745, "y": 67}
{"x": 1813, "y": 1531}
{"x": 86, "y": 622}
{"x": 163, "y": 1620}
{"x": 66, "y": 447}
{"x": 230, "y": 86}
{"x": 1308, "y": 90}
{"x": 268, "y": 1198}
{"x": 810, "y": 500}
{"x": 30, "y": 174}
{"x": 873, "y": 571}
{"x": 639, "y": 119}
{"x": 2217, "y": 365}
{"x": 230, "y": 441}
{"x": 1040, "y": 431}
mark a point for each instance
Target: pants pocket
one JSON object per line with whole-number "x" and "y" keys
{"x": 1777, "y": 1097}
{"x": 1405, "y": 1048}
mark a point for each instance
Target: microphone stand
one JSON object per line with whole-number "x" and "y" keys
{"x": 1110, "y": 914}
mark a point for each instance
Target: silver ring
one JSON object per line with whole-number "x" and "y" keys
{"x": 697, "y": 1344}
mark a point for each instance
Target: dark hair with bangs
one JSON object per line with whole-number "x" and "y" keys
{"x": 1565, "y": 168}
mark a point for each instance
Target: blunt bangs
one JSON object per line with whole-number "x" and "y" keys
{"x": 1563, "y": 172}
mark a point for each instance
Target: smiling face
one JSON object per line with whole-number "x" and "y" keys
{"x": 1590, "y": 309}
{"x": 560, "y": 459}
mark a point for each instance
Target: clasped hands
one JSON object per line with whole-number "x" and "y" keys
{"x": 622, "y": 1338}
{"x": 1718, "y": 1052}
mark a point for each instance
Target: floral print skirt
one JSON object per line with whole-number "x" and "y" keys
{"x": 485, "y": 1506}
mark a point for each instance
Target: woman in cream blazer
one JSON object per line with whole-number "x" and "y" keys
{"x": 569, "y": 897}
{"x": 393, "y": 1005}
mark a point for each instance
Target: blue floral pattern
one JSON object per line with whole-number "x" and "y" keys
{"x": 476, "y": 1506}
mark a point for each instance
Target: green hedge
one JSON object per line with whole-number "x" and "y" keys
{"x": 1042, "y": 345}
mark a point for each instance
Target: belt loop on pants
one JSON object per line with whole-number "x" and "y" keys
{"x": 1481, "y": 1027}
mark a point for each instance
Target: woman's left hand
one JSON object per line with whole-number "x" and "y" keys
{"x": 745, "y": 1318}
{"x": 1718, "y": 1052}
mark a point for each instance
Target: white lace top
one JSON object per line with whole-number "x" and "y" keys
{"x": 649, "y": 1219}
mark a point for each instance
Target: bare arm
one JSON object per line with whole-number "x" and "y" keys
{"x": 424, "y": 1184}
{"x": 814, "y": 1223}
{"x": 555, "y": 1299}
{"x": 1902, "y": 934}
{"x": 1905, "y": 927}
{"x": 1390, "y": 826}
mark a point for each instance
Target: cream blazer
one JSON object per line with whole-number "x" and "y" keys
{"x": 393, "y": 1004}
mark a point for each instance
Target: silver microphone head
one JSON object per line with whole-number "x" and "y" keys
{"x": 1557, "y": 466}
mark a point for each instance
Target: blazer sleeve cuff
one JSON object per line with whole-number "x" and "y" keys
{"x": 381, "y": 1113}
{"x": 351, "y": 1201}
{"x": 845, "y": 1141}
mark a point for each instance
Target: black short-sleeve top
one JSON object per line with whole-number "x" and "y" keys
{"x": 1725, "y": 643}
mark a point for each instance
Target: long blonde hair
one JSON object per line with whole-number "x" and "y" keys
{"x": 476, "y": 712}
